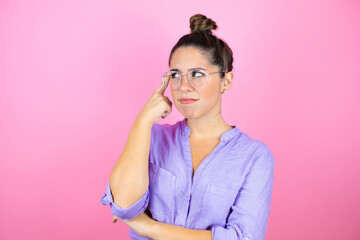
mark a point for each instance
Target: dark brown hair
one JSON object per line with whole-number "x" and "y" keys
{"x": 201, "y": 37}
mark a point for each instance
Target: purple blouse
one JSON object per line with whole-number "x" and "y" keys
{"x": 230, "y": 193}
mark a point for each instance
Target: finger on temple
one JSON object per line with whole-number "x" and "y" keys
{"x": 161, "y": 89}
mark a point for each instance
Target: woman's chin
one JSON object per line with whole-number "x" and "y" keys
{"x": 188, "y": 113}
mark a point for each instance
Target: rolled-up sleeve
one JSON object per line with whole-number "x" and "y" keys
{"x": 129, "y": 212}
{"x": 249, "y": 215}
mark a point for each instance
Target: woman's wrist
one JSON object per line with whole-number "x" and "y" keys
{"x": 153, "y": 229}
{"x": 140, "y": 120}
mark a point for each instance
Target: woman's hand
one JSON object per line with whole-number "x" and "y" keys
{"x": 142, "y": 224}
{"x": 157, "y": 106}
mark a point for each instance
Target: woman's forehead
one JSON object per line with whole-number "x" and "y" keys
{"x": 187, "y": 58}
{"x": 189, "y": 69}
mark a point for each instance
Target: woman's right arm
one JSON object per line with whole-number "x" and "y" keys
{"x": 129, "y": 178}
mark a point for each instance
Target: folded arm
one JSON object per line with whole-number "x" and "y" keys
{"x": 163, "y": 231}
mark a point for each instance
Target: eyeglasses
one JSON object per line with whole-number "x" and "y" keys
{"x": 197, "y": 77}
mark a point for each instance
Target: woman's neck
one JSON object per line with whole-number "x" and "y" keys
{"x": 207, "y": 127}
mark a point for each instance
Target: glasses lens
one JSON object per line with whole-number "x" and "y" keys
{"x": 198, "y": 78}
{"x": 174, "y": 78}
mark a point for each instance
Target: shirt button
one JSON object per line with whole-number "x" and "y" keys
{"x": 187, "y": 198}
{"x": 247, "y": 238}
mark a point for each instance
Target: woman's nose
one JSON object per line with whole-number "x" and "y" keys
{"x": 185, "y": 83}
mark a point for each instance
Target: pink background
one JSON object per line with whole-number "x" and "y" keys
{"x": 74, "y": 75}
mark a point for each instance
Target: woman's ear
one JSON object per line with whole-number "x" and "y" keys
{"x": 227, "y": 81}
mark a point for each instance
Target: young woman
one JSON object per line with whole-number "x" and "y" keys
{"x": 199, "y": 178}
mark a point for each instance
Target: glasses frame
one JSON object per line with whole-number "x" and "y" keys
{"x": 181, "y": 78}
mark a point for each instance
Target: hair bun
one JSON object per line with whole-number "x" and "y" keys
{"x": 200, "y": 22}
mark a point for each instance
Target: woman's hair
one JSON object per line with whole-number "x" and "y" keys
{"x": 216, "y": 50}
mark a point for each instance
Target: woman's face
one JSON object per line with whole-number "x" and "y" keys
{"x": 208, "y": 98}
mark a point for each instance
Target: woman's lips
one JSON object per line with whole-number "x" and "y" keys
{"x": 187, "y": 100}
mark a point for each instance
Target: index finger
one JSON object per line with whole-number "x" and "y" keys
{"x": 164, "y": 83}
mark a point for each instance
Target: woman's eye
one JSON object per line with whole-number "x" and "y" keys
{"x": 197, "y": 74}
{"x": 175, "y": 75}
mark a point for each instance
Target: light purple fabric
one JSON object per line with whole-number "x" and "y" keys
{"x": 230, "y": 193}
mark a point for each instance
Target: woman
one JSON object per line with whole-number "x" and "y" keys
{"x": 199, "y": 178}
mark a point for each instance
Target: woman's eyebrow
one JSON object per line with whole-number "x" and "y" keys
{"x": 178, "y": 70}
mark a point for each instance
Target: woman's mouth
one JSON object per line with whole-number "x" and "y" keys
{"x": 187, "y": 100}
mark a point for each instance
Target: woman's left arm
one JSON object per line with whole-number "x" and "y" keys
{"x": 147, "y": 227}
{"x": 249, "y": 214}
{"x": 164, "y": 231}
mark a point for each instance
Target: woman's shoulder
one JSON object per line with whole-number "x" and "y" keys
{"x": 167, "y": 128}
{"x": 166, "y": 132}
{"x": 254, "y": 147}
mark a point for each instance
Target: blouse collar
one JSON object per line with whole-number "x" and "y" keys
{"x": 225, "y": 137}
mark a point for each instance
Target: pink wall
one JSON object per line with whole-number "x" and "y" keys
{"x": 74, "y": 74}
